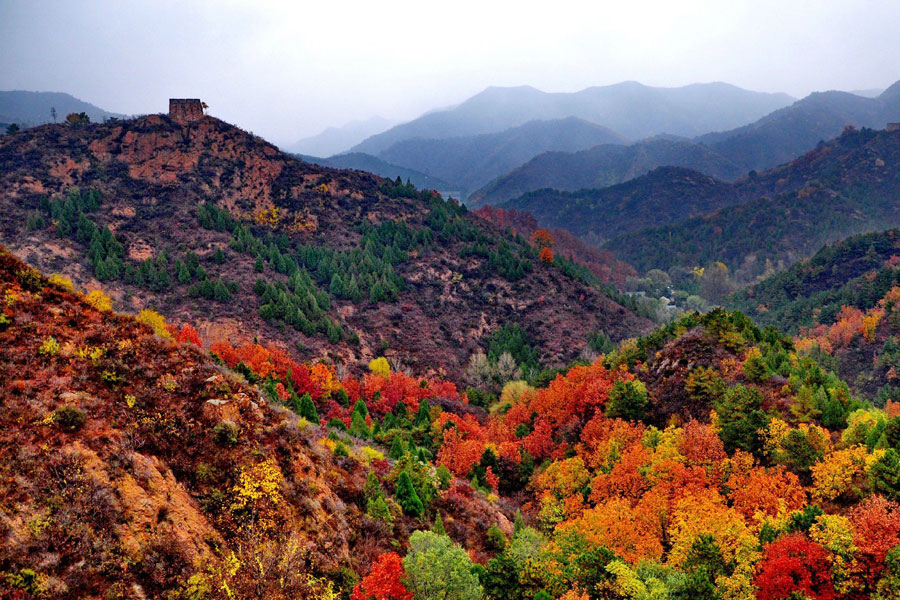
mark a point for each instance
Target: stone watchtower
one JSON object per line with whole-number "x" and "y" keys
{"x": 185, "y": 110}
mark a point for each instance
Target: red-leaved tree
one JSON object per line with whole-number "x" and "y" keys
{"x": 384, "y": 582}
{"x": 794, "y": 564}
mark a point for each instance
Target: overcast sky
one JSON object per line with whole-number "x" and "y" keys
{"x": 286, "y": 70}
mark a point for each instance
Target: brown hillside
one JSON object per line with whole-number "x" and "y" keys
{"x": 152, "y": 174}
{"x": 134, "y": 467}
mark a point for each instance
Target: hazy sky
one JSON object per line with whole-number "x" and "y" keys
{"x": 289, "y": 69}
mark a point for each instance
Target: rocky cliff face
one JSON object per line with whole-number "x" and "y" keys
{"x": 152, "y": 173}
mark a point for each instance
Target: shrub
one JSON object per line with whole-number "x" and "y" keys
{"x": 226, "y": 433}
{"x": 49, "y": 347}
{"x": 69, "y": 418}
{"x": 495, "y": 539}
{"x": 340, "y": 450}
{"x": 336, "y": 423}
{"x": 438, "y": 568}
{"x": 380, "y": 366}
{"x": 156, "y": 321}
{"x": 62, "y": 282}
{"x": 627, "y": 401}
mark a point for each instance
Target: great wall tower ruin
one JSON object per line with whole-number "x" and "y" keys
{"x": 185, "y": 110}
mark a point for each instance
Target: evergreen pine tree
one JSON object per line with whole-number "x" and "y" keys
{"x": 358, "y": 426}
{"x": 360, "y": 407}
{"x": 183, "y": 272}
{"x": 398, "y": 448}
{"x": 337, "y": 286}
{"x": 220, "y": 292}
{"x": 423, "y": 417}
{"x": 407, "y": 497}
{"x": 308, "y": 409}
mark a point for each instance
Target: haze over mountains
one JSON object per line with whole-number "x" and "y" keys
{"x": 27, "y": 109}
{"x": 631, "y": 109}
{"x": 335, "y": 140}
{"x": 470, "y": 162}
{"x": 772, "y": 140}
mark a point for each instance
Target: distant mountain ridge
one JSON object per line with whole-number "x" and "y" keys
{"x": 470, "y": 162}
{"x": 335, "y": 140}
{"x": 662, "y": 196}
{"x": 844, "y": 187}
{"x": 602, "y": 166}
{"x": 28, "y": 109}
{"x": 633, "y": 110}
{"x": 790, "y": 131}
{"x": 772, "y": 140}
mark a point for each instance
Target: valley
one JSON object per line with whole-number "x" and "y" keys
{"x": 449, "y": 302}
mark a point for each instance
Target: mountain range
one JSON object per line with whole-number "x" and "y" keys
{"x": 631, "y": 109}
{"x": 846, "y": 186}
{"x": 774, "y": 139}
{"x": 470, "y": 162}
{"x": 601, "y": 166}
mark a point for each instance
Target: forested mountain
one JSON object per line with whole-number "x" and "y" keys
{"x": 631, "y": 109}
{"x": 599, "y": 167}
{"x": 790, "y": 131}
{"x": 842, "y": 306}
{"x": 469, "y": 162}
{"x": 373, "y": 164}
{"x": 665, "y": 195}
{"x": 28, "y": 109}
{"x": 855, "y": 272}
{"x": 206, "y": 223}
{"x": 844, "y": 187}
{"x": 138, "y": 466}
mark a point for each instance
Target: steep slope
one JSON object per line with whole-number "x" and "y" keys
{"x": 28, "y": 109}
{"x": 136, "y": 467}
{"x": 629, "y": 108}
{"x": 602, "y": 263}
{"x": 841, "y": 301}
{"x": 790, "y": 131}
{"x": 217, "y": 227}
{"x": 373, "y": 164}
{"x": 855, "y": 272}
{"x": 340, "y": 139}
{"x": 600, "y": 167}
{"x": 841, "y": 188}
{"x": 469, "y": 162}
{"x": 665, "y": 195}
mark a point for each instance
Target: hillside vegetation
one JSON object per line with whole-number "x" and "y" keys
{"x": 843, "y": 187}
{"x": 699, "y": 461}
